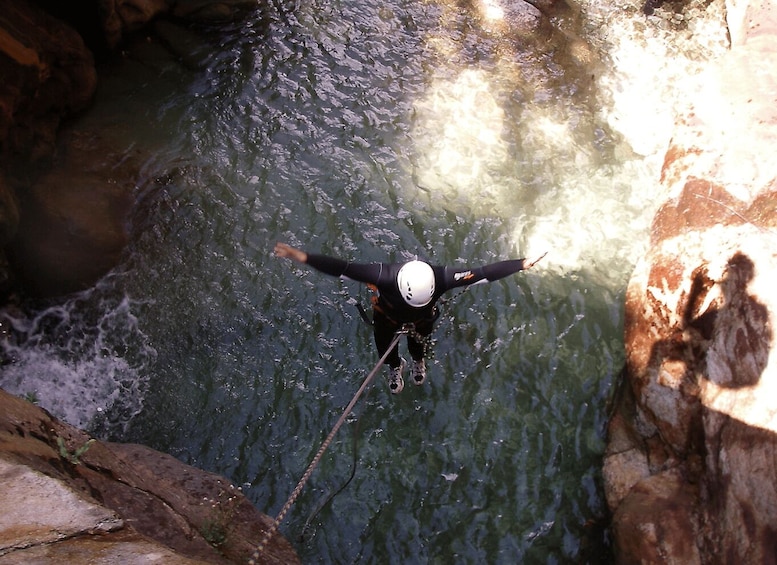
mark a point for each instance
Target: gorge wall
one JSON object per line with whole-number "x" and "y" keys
{"x": 66, "y": 196}
{"x": 64, "y": 496}
{"x": 692, "y": 447}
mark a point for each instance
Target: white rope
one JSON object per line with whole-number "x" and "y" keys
{"x": 301, "y": 484}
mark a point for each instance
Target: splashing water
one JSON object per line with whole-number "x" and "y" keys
{"x": 85, "y": 366}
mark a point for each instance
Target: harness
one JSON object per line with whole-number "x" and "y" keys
{"x": 376, "y": 307}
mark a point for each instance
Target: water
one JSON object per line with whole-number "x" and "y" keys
{"x": 372, "y": 131}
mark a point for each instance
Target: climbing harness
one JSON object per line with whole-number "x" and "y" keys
{"x": 407, "y": 328}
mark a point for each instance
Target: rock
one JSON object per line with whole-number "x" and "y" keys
{"x": 66, "y": 498}
{"x": 124, "y": 547}
{"x": 123, "y": 17}
{"x": 48, "y": 75}
{"x": 9, "y": 224}
{"x": 654, "y": 523}
{"x": 211, "y": 10}
{"x": 68, "y": 514}
{"x": 74, "y": 219}
{"x": 689, "y": 468}
{"x": 63, "y": 227}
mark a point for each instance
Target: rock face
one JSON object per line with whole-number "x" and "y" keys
{"x": 74, "y": 222}
{"x": 66, "y": 498}
{"x": 48, "y": 74}
{"x": 64, "y": 204}
{"x": 689, "y": 468}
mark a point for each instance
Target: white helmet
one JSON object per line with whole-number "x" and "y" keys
{"x": 416, "y": 283}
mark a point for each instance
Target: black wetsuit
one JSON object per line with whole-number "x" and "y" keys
{"x": 391, "y": 311}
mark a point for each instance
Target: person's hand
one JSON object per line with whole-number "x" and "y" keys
{"x": 529, "y": 263}
{"x": 285, "y": 250}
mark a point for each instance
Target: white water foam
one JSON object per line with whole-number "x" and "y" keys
{"x": 557, "y": 200}
{"x": 83, "y": 371}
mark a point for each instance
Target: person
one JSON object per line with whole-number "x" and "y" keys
{"x": 407, "y": 293}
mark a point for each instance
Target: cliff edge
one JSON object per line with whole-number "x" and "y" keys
{"x": 68, "y": 498}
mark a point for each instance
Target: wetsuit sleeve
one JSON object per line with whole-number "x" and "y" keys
{"x": 453, "y": 278}
{"x": 500, "y": 270}
{"x": 329, "y": 265}
{"x": 362, "y": 272}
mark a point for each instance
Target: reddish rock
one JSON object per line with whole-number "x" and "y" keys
{"x": 66, "y": 498}
{"x": 689, "y": 468}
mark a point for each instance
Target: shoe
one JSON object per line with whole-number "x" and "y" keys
{"x": 396, "y": 384}
{"x": 419, "y": 372}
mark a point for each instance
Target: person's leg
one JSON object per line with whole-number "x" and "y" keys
{"x": 383, "y": 331}
{"x": 417, "y": 348}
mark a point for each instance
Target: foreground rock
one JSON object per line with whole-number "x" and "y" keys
{"x": 65, "y": 498}
{"x": 689, "y": 469}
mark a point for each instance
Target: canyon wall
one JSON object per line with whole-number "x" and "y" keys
{"x": 692, "y": 447}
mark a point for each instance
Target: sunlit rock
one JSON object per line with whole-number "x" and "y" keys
{"x": 689, "y": 469}
{"x": 65, "y": 498}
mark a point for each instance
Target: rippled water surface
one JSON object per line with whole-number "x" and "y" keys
{"x": 372, "y": 131}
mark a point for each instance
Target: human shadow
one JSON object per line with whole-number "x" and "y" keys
{"x": 709, "y": 416}
{"x": 736, "y": 322}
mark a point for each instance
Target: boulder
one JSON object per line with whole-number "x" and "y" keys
{"x": 65, "y": 201}
{"x": 689, "y": 467}
{"x": 67, "y": 498}
{"x": 74, "y": 219}
{"x": 48, "y": 75}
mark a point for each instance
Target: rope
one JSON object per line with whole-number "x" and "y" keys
{"x": 314, "y": 463}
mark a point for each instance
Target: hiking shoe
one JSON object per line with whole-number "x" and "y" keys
{"x": 419, "y": 372}
{"x": 396, "y": 384}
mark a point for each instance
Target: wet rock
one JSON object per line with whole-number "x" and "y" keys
{"x": 66, "y": 498}
{"x": 123, "y": 17}
{"x": 74, "y": 220}
{"x": 692, "y": 444}
{"x": 211, "y": 10}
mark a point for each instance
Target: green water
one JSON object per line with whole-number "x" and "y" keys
{"x": 371, "y": 131}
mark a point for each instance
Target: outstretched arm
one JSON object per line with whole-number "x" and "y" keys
{"x": 285, "y": 250}
{"x": 362, "y": 272}
{"x": 487, "y": 273}
{"x": 496, "y": 271}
